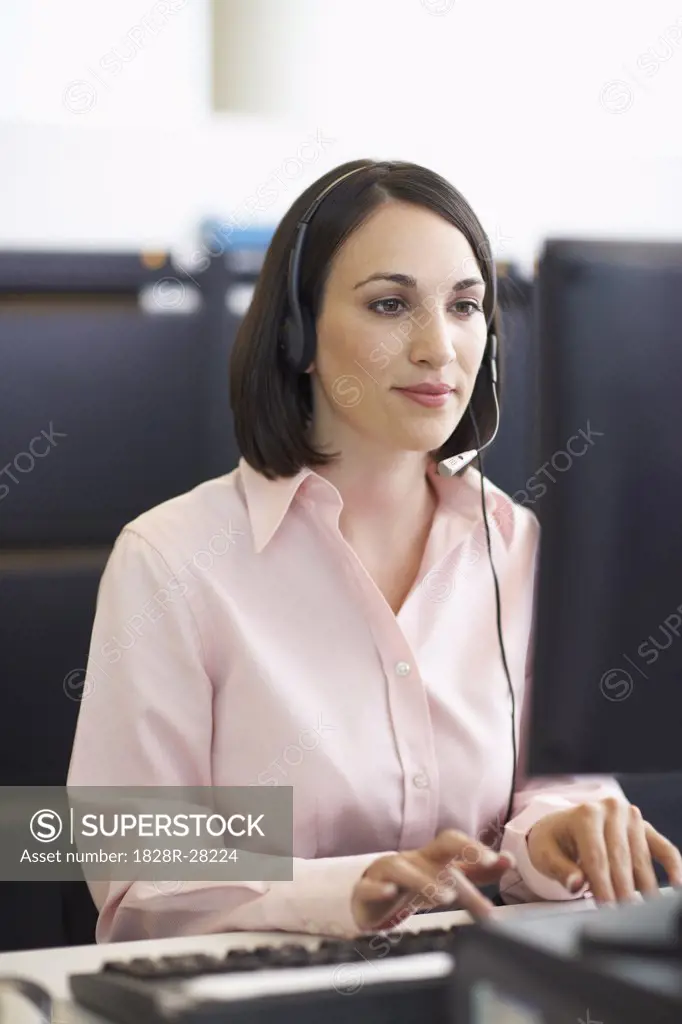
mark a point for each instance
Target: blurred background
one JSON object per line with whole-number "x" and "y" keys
{"x": 148, "y": 149}
{"x": 123, "y": 125}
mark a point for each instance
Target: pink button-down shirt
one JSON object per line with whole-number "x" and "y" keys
{"x": 239, "y": 640}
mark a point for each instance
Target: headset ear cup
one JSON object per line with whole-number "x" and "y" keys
{"x": 290, "y": 342}
{"x": 308, "y": 339}
{"x": 298, "y": 341}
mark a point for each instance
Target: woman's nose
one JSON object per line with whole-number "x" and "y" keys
{"x": 434, "y": 342}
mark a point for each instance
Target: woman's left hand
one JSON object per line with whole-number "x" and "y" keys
{"x": 606, "y": 844}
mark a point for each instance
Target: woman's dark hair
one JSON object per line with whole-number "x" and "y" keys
{"x": 271, "y": 404}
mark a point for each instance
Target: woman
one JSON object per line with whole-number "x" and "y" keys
{"x": 341, "y": 635}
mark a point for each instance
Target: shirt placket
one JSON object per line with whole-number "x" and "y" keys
{"x": 410, "y": 718}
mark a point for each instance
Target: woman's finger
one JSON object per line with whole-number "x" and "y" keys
{"x": 553, "y": 849}
{"x": 386, "y": 913}
{"x": 412, "y": 877}
{"x": 642, "y": 866}
{"x": 616, "y": 838}
{"x": 466, "y": 894}
{"x": 371, "y": 890}
{"x": 470, "y": 898}
{"x": 483, "y": 873}
{"x": 588, "y": 836}
{"x": 666, "y": 853}
{"x": 452, "y": 845}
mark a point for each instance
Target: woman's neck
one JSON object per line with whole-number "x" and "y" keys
{"x": 392, "y": 503}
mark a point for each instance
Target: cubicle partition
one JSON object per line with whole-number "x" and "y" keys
{"x": 113, "y": 398}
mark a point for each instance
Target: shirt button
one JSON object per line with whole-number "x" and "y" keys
{"x": 403, "y": 668}
{"x": 420, "y": 780}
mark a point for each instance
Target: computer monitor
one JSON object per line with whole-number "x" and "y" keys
{"x": 607, "y": 489}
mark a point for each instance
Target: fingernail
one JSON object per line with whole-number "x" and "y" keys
{"x": 447, "y": 895}
{"x": 389, "y": 888}
{"x": 574, "y": 882}
{"x": 488, "y": 858}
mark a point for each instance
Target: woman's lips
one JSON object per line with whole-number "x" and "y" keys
{"x": 432, "y": 401}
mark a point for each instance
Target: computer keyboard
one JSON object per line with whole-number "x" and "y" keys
{"x": 397, "y": 977}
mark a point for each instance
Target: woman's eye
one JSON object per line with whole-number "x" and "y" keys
{"x": 470, "y": 304}
{"x": 383, "y": 302}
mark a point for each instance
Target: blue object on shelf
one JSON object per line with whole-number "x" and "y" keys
{"x": 243, "y": 248}
{"x": 253, "y": 237}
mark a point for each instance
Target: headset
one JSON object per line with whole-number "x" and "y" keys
{"x": 297, "y": 344}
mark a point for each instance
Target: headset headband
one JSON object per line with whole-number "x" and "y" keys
{"x": 298, "y": 332}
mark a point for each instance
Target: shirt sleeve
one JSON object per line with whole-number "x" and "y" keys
{"x": 533, "y": 800}
{"x": 145, "y": 719}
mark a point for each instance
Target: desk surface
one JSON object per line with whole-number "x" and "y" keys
{"x": 51, "y": 967}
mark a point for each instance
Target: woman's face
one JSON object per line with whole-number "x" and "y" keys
{"x": 419, "y": 320}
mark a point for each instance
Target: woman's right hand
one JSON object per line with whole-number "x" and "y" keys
{"x": 440, "y": 873}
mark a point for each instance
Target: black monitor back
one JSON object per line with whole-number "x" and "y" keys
{"x": 113, "y": 391}
{"x": 607, "y": 691}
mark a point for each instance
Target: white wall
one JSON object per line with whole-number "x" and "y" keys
{"x": 550, "y": 119}
{"x": 76, "y": 63}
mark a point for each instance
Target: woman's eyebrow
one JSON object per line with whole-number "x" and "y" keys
{"x": 410, "y": 282}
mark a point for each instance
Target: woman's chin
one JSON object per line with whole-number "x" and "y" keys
{"x": 424, "y": 440}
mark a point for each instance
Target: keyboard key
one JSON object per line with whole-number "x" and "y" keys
{"x": 329, "y": 952}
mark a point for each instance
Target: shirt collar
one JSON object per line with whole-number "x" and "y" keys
{"x": 461, "y": 495}
{"x": 269, "y": 500}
